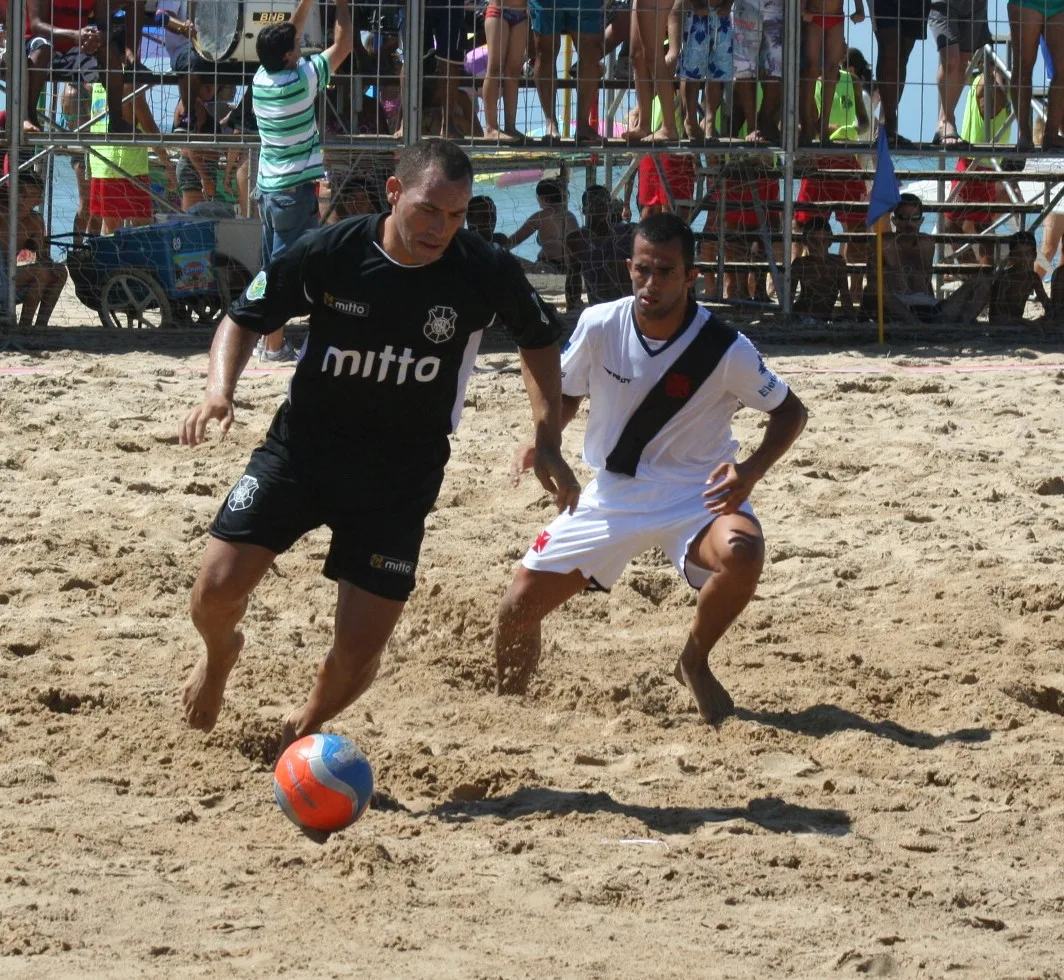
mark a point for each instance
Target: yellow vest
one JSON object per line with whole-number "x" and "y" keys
{"x": 132, "y": 159}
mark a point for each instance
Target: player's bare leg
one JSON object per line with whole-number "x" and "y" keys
{"x": 227, "y": 577}
{"x": 733, "y": 549}
{"x": 531, "y": 595}
{"x": 363, "y": 624}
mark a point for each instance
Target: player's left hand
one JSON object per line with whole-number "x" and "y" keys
{"x": 729, "y": 486}
{"x": 553, "y": 473}
{"x": 857, "y": 18}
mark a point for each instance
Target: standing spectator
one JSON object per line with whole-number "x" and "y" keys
{"x": 283, "y": 93}
{"x": 1029, "y": 20}
{"x": 700, "y": 51}
{"x": 959, "y": 27}
{"x": 74, "y": 102}
{"x": 506, "y": 27}
{"x": 898, "y": 25}
{"x": 650, "y": 31}
{"x": 118, "y": 190}
{"x": 445, "y": 35}
{"x": 825, "y": 50}
{"x": 583, "y": 21}
{"x": 757, "y": 54}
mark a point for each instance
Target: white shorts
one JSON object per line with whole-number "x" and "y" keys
{"x": 614, "y": 524}
{"x": 757, "y": 39}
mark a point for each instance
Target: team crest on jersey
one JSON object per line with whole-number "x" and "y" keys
{"x": 677, "y": 385}
{"x": 439, "y": 327}
{"x": 243, "y": 494}
{"x": 257, "y": 287}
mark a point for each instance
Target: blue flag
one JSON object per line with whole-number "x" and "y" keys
{"x": 885, "y": 194}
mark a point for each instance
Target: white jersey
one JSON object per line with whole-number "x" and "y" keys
{"x": 609, "y": 360}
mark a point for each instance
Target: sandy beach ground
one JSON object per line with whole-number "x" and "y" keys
{"x": 889, "y": 800}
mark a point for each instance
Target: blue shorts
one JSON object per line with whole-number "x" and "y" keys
{"x": 706, "y": 54}
{"x": 548, "y": 19}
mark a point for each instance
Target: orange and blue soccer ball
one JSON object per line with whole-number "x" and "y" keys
{"x": 323, "y": 782}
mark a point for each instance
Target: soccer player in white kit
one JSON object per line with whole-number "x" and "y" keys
{"x": 664, "y": 377}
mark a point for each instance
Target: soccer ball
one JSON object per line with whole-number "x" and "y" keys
{"x": 323, "y": 782}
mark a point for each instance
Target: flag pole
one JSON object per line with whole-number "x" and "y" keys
{"x": 883, "y": 199}
{"x": 879, "y": 275}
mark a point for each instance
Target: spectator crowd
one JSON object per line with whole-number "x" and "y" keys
{"x": 703, "y": 72}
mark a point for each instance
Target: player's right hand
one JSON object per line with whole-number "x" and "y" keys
{"x": 193, "y": 429}
{"x": 553, "y": 473}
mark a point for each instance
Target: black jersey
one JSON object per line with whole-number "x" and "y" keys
{"x": 390, "y": 347}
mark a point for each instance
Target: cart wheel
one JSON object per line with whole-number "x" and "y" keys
{"x": 135, "y": 299}
{"x": 207, "y": 311}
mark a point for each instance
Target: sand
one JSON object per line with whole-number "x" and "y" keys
{"x": 889, "y": 800}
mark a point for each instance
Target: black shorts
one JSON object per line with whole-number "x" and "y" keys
{"x": 907, "y": 17}
{"x": 376, "y": 533}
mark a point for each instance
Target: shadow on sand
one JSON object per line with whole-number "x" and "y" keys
{"x": 827, "y": 719}
{"x": 770, "y": 812}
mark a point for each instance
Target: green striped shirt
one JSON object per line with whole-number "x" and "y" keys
{"x": 284, "y": 108}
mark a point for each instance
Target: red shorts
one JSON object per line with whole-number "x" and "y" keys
{"x": 739, "y": 198}
{"x": 814, "y": 189}
{"x": 116, "y": 197}
{"x": 973, "y": 192}
{"x": 679, "y": 172}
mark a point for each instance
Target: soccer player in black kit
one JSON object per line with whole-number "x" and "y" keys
{"x": 397, "y": 306}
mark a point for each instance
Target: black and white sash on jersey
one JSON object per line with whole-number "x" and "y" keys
{"x": 674, "y": 389}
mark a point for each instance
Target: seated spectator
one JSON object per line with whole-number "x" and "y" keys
{"x": 742, "y": 207}
{"x": 68, "y": 46}
{"x": 583, "y": 21}
{"x": 358, "y": 194}
{"x": 1015, "y": 280}
{"x": 114, "y": 197}
{"x": 482, "y": 218}
{"x": 1029, "y": 21}
{"x": 551, "y": 225}
{"x": 599, "y": 252}
{"x": 506, "y": 27}
{"x": 982, "y": 106}
{"x": 908, "y": 260}
{"x": 700, "y": 54}
{"x": 818, "y": 278}
{"x": 38, "y": 284}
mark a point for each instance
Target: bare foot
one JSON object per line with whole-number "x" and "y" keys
{"x": 292, "y": 731}
{"x": 636, "y": 134}
{"x": 29, "y": 127}
{"x": 205, "y": 688}
{"x": 664, "y": 135}
{"x": 515, "y": 134}
{"x": 714, "y": 703}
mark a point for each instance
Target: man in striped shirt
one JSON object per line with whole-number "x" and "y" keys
{"x": 284, "y": 93}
